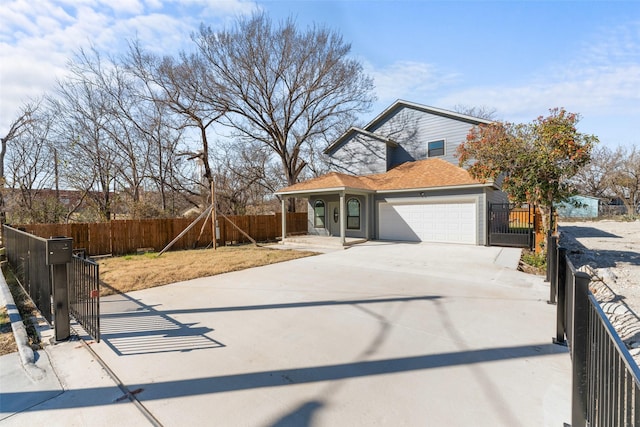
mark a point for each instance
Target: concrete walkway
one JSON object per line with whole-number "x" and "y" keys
{"x": 379, "y": 334}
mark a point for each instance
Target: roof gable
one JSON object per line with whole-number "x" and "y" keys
{"x": 374, "y": 124}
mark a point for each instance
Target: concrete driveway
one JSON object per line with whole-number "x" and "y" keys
{"x": 380, "y": 334}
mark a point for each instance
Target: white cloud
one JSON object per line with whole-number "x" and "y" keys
{"x": 610, "y": 91}
{"x": 37, "y": 38}
{"x": 124, "y": 6}
{"x": 409, "y": 80}
{"x": 601, "y": 82}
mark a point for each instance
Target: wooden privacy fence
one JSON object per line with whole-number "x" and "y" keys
{"x": 120, "y": 237}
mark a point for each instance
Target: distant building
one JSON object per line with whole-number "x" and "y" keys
{"x": 579, "y": 207}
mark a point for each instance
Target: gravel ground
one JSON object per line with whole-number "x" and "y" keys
{"x": 610, "y": 251}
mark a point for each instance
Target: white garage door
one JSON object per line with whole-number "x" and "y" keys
{"x": 433, "y": 222}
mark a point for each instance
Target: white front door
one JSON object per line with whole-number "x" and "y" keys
{"x": 333, "y": 219}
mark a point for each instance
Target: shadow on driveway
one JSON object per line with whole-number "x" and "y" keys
{"x": 312, "y": 374}
{"x": 136, "y": 328}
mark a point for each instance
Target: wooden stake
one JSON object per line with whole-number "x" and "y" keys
{"x": 204, "y": 224}
{"x": 186, "y": 230}
{"x": 239, "y": 229}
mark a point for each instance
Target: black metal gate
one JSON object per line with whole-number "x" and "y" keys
{"x": 511, "y": 225}
{"x": 84, "y": 294}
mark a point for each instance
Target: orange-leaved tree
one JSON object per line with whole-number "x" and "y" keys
{"x": 535, "y": 160}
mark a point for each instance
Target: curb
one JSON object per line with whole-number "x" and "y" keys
{"x": 27, "y": 356}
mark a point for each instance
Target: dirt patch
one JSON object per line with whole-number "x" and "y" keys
{"x": 135, "y": 272}
{"x": 610, "y": 250}
{"x": 532, "y": 263}
{"x": 7, "y": 341}
{"x": 27, "y": 311}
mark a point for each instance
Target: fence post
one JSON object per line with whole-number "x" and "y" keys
{"x": 58, "y": 256}
{"x": 561, "y": 308}
{"x": 552, "y": 268}
{"x": 580, "y": 338}
{"x": 548, "y": 276}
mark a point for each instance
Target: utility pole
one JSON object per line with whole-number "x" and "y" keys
{"x": 213, "y": 214}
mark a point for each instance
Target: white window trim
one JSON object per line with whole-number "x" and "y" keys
{"x": 359, "y": 214}
{"x": 325, "y": 214}
{"x": 444, "y": 147}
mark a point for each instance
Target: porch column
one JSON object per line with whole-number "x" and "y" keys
{"x": 343, "y": 219}
{"x": 284, "y": 218}
{"x": 365, "y": 208}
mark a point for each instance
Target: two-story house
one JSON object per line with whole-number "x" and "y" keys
{"x": 397, "y": 179}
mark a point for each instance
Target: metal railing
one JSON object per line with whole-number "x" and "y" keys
{"x": 84, "y": 294}
{"x": 58, "y": 283}
{"x": 605, "y": 378}
{"x": 26, "y": 254}
{"x": 613, "y": 386}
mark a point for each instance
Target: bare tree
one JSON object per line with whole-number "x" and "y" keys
{"x": 175, "y": 83}
{"x": 594, "y": 178}
{"x": 288, "y": 89}
{"x": 127, "y": 127}
{"x": 624, "y": 180}
{"x": 245, "y": 178}
{"x": 481, "y": 112}
{"x": 17, "y": 127}
{"x": 88, "y": 157}
{"x": 32, "y": 172}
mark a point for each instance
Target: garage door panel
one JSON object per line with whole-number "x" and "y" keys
{"x": 435, "y": 222}
{"x": 397, "y": 224}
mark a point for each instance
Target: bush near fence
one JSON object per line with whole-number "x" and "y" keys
{"x": 120, "y": 237}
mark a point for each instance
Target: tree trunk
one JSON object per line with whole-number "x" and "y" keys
{"x": 291, "y": 206}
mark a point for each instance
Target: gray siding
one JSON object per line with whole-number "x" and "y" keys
{"x": 360, "y": 155}
{"x": 496, "y": 196}
{"x": 335, "y": 198}
{"x": 412, "y": 130}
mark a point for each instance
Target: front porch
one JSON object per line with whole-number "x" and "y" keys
{"x": 337, "y": 218}
{"x": 324, "y": 242}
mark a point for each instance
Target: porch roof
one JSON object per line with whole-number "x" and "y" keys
{"x": 418, "y": 175}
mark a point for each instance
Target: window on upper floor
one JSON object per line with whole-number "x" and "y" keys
{"x": 435, "y": 148}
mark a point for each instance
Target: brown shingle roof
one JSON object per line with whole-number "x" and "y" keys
{"x": 420, "y": 174}
{"x": 330, "y": 180}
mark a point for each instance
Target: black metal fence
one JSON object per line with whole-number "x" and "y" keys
{"x": 26, "y": 254}
{"x": 509, "y": 225}
{"x": 33, "y": 261}
{"x": 84, "y": 294}
{"x": 605, "y": 378}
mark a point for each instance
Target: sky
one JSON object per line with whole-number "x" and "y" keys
{"x": 520, "y": 58}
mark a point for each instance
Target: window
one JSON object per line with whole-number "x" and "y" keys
{"x": 353, "y": 214}
{"x": 318, "y": 214}
{"x": 436, "y": 148}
